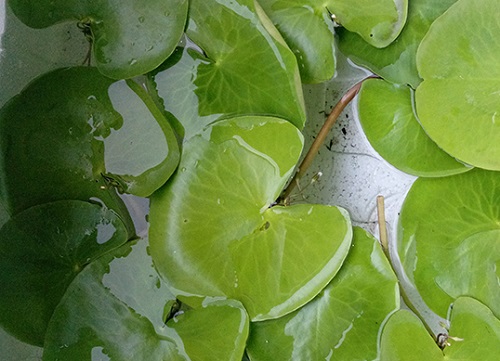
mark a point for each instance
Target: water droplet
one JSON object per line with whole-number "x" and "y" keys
{"x": 133, "y": 61}
{"x": 141, "y": 19}
{"x": 183, "y": 169}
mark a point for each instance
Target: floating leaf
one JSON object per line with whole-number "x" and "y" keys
{"x": 41, "y": 250}
{"x": 389, "y": 122}
{"x": 128, "y": 39}
{"x": 248, "y": 69}
{"x": 397, "y": 62}
{"x": 351, "y": 308}
{"x": 214, "y": 231}
{"x": 405, "y": 339}
{"x": 308, "y": 30}
{"x": 377, "y": 22}
{"x": 449, "y": 239}
{"x": 115, "y": 310}
{"x": 62, "y": 138}
{"x": 458, "y": 102}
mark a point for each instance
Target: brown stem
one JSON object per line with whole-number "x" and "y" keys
{"x": 320, "y": 139}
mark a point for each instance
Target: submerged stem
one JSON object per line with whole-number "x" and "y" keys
{"x": 320, "y": 139}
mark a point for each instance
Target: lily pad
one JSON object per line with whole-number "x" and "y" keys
{"x": 377, "y": 22}
{"x": 397, "y": 62}
{"x": 458, "y": 103}
{"x": 115, "y": 309}
{"x": 41, "y": 251}
{"x": 215, "y": 232}
{"x": 128, "y": 39}
{"x": 245, "y": 69}
{"x": 449, "y": 239}
{"x": 353, "y": 307}
{"x": 62, "y": 138}
{"x": 308, "y": 30}
{"x": 389, "y": 122}
{"x": 478, "y": 331}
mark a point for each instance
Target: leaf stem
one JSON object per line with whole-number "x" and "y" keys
{"x": 320, "y": 139}
{"x": 434, "y": 324}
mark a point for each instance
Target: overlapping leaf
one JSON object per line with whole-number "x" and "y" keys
{"x": 63, "y": 138}
{"x": 41, "y": 250}
{"x": 377, "y": 22}
{"x": 116, "y": 309}
{"x": 458, "y": 103}
{"x": 449, "y": 239}
{"x": 389, "y": 122}
{"x": 247, "y": 69}
{"x": 343, "y": 322}
{"x": 397, "y": 62}
{"x": 476, "y": 329}
{"x": 129, "y": 39}
{"x": 214, "y": 231}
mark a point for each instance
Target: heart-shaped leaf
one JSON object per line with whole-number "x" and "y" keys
{"x": 396, "y": 62}
{"x": 214, "y": 231}
{"x": 41, "y": 250}
{"x": 115, "y": 309}
{"x": 128, "y": 39}
{"x": 386, "y": 113}
{"x": 247, "y": 70}
{"x": 474, "y": 327}
{"x": 308, "y": 30}
{"x": 351, "y": 308}
{"x": 458, "y": 103}
{"x": 449, "y": 239}
{"x": 63, "y": 138}
{"x": 377, "y": 22}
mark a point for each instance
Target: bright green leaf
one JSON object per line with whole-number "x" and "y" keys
{"x": 248, "y": 69}
{"x": 308, "y": 31}
{"x": 389, "y": 122}
{"x": 41, "y": 250}
{"x": 343, "y": 322}
{"x": 405, "y": 338}
{"x": 377, "y": 22}
{"x": 458, "y": 102}
{"x": 397, "y": 62}
{"x": 63, "y": 138}
{"x": 115, "y": 310}
{"x": 129, "y": 38}
{"x": 449, "y": 239}
{"x": 214, "y": 231}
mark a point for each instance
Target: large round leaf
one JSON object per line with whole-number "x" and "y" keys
{"x": 449, "y": 239}
{"x": 387, "y": 116}
{"x": 214, "y": 231}
{"x": 308, "y": 30}
{"x": 248, "y": 68}
{"x": 351, "y": 308}
{"x": 396, "y": 62}
{"x": 63, "y": 138}
{"x": 478, "y": 332}
{"x": 128, "y": 38}
{"x": 377, "y": 22}
{"x": 116, "y": 309}
{"x": 41, "y": 250}
{"x": 458, "y": 102}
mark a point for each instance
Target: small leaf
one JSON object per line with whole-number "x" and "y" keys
{"x": 389, "y": 122}
{"x": 449, "y": 239}
{"x": 475, "y": 330}
{"x": 397, "y": 62}
{"x": 377, "y": 22}
{"x": 128, "y": 40}
{"x": 246, "y": 70}
{"x": 458, "y": 103}
{"x": 114, "y": 309}
{"x": 41, "y": 250}
{"x": 343, "y": 322}
{"x": 214, "y": 231}
{"x": 308, "y": 30}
